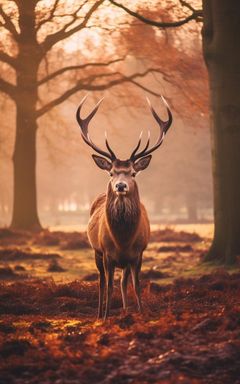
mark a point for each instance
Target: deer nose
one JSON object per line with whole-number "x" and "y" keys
{"x": 121, "y": 187}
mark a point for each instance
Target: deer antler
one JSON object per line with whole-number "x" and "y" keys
{"x": 83, "y": 123}
{"x": 164, "y": 126}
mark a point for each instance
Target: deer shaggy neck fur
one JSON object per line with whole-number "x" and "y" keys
{"x": 123, "y": 214}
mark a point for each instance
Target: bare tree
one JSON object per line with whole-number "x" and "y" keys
{"x": 24, "y": 24}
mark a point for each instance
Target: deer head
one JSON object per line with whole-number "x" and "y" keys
{"x": 123, "y": 172}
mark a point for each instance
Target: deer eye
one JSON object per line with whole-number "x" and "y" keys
{"x": 110, "y": 174}
{"x": 134, "y": 174}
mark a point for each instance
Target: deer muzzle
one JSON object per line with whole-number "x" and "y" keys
{"x": 121, "y": 188}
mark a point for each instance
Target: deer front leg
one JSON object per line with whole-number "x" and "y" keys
{"x": 124, "y": 282}
{"x": 135, "y": 270}
{"x": 109, "y": 273}
{"x": 99, "y": 264}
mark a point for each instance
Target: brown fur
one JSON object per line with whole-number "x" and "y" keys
{"x": 119, "y": 228}
{"x": 119, "y": 232}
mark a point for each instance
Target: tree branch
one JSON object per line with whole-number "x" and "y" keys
{"x": 5, "y": 58}
{"x": 187, "y": 5}
{"x": 196, "y": 15}
{"x": 8, "y": 24}
{"x": 63, "y": 33}
{"x": 76, "y": 67}
{"x": 144, "y": 88}
{"x": 80, "y": 86}
{"x": 50, "y": 17}
{"x": 7, "y": 88}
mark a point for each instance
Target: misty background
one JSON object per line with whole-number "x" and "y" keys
{"x": 176, "y": 188}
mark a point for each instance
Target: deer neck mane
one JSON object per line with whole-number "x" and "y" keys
{"x": 123, "y": 215}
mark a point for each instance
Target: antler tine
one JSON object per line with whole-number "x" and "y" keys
{"x": 143, "y": 150}
{"x": 83, "y": 123}
{"x": 148, "y": 142}
{"x": 164, "y": 126}
{"x": 137, "y": 146}
{"x": 108, "y": 147}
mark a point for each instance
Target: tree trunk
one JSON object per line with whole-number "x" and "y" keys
{"x": 221, "y": 42}
{"x": 25, "y": 214}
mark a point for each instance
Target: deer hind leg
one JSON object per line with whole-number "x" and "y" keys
{"x": 124, "y": 282}
{"x": 100, "y": 267}
{"x": 109, "y": 275}
{"x": 135, "y": 270}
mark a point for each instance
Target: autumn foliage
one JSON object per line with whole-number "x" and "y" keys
{"x": 189, "y": 333}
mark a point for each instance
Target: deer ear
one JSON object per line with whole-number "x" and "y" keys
{"x": 102, "y": 162}
{"x": 142, "y": 164}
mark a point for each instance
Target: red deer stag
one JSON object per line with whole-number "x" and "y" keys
{"x": 119, "y": 229}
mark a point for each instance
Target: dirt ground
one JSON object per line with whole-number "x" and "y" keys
{"x": 189, "y": 331}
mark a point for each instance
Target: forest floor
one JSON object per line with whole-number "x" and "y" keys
{"x": 189, "y": 331}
